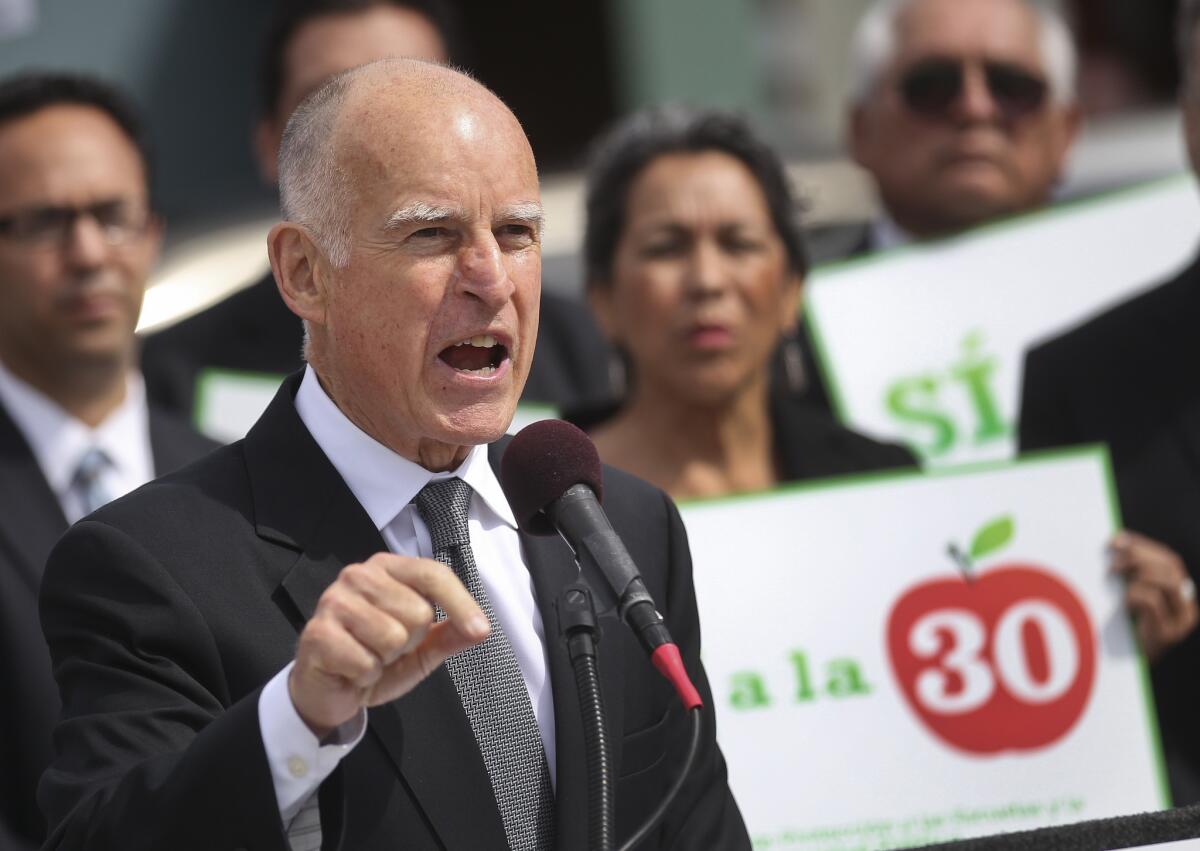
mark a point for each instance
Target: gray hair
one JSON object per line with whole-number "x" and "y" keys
{"x": 874, "y": 46}
{"x": 1189, "y": 21}
{"x": 313, "y": 189}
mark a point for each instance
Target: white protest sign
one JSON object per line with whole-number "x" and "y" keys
{"x": 229, "y": 401}
{"x": 870, "y": 696}
{"x": 925, "y": 344}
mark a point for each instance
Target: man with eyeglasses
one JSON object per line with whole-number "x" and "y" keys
{"x": 1127, "y": 378}
{"x": 963, "y": 111}
{"x": 77, "y": 240}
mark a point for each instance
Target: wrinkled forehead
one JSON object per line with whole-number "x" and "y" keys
{"x": 1007, "y": 30}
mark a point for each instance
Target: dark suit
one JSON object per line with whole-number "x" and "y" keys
{"x": 31, "y": 520}
{"x": 168, "y": 610}
{"x": 808, "y": 442}
{"x": 253, "y": 331}
{"x": 1129, "y": 378}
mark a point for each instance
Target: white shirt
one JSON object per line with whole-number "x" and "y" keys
{"x": 59, "y": 440}
{"x": 385, "y": 484}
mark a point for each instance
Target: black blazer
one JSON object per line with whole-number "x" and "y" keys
{"x": 809, "y": 443}
{"x": 169, "y": 609}
{"x": 1131, "y": 378}
{"x": 253, "y": 331}
{"x": 31, "y": 520}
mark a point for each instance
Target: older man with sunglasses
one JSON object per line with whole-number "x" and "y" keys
{"x": 963, "y": 112}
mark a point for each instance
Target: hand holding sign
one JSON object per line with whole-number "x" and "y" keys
{"x": 1159, "y": 591}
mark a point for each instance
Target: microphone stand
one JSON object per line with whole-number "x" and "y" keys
{"x": 577, "y": 624}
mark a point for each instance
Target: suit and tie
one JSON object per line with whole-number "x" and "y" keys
{"x": 31, "y": 520}
{"x": 168, "y": 610}
{"x": 1128, "y": 379}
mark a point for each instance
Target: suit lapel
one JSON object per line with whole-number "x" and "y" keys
{"x": 552, "y": 566}
{"x": 301, "y": 502}
{"x": 32, "y": 520}
{"x": 1178, "y": 351}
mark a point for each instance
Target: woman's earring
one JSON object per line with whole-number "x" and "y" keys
{"x": 793, "y": 364}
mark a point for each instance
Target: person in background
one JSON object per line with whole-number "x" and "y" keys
{"x": 252, "y": 331}
{"x": 1127, "y": 378}
{"x": 962, "y": 112}
{"x": 695, "y": 264}
{"x": 78, "y": 237}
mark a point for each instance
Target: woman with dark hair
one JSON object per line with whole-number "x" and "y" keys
{"x": 695, "y": 263}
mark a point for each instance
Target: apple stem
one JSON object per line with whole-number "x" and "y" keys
{"x": 960, "y": 559}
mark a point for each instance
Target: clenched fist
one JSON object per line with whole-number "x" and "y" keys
{"x": 373, "y": 637}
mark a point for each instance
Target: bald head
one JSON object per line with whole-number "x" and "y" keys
{"x": 412, "y": 251}
{"x": 371, "y": 122}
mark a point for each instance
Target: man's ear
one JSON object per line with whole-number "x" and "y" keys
{"x": 1072, "y": 120}
{"x": 301, "y": 271}
{"x": 268, "y": 136}
{"x": 858, "y": 134}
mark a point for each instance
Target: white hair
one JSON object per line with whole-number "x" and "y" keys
{"x": 874, "y": 46}
{"x": 313, "y": 189}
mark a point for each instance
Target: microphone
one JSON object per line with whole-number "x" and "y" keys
{"x": 552, "y": 477}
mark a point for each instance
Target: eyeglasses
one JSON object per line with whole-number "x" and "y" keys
{"x": 119, "y": 221}
{"x": 931, "y": 88}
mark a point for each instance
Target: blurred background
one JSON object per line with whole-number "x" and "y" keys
{"x": 568, "y": 70}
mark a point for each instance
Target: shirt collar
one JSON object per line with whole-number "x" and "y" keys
{"x": 58, "y": 440}
{"x": 885, "y": 233}
{"x": 382, "y": 481}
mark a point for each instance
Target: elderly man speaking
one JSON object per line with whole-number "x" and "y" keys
{"x": 259, "y": 653}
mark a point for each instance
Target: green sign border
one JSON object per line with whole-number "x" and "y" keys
{"x": 1098, "y": 452}
{"x": 812, "y": 323}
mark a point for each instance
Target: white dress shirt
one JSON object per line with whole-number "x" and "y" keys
{"x": 59, "y": 440}
{"x": 885, "y": 234}
{"x": 385, "y": 484}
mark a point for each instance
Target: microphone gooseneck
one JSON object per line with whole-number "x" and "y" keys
{"x": 552, "y": 476}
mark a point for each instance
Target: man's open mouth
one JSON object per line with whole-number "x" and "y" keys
{"x": 479, "y": 355}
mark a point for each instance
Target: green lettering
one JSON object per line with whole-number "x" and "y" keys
{"x": 977, "y": 371}
{"x": 748, "y": 691}
{"x": 913, "y": 401}
{"x": 804, "y": 689}
{"x": 845, "y": 679}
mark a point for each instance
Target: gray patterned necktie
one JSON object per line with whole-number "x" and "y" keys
{"x": 490, "y": 684}
{"x": 86, "y": 481}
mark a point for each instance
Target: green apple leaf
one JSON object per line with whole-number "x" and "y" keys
{"x": 992, "y": 537}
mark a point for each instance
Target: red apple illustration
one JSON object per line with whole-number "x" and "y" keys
{"x": 999, "y": 660}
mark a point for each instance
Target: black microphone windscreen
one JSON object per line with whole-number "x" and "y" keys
{"x": 540, "y": 464}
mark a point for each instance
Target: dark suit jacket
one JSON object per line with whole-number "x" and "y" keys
{"x": 1130, "y": 378}
{"x": 30, "y": 522}
{"x": 253, "y": 331}
{"x": 809, "y": 443}
{"x": 168, "y": 610}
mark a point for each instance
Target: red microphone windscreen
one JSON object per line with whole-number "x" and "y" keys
{"x": 540, "y": 464}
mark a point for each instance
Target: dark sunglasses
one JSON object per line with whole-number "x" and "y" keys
{"x": 931, "y": 88}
